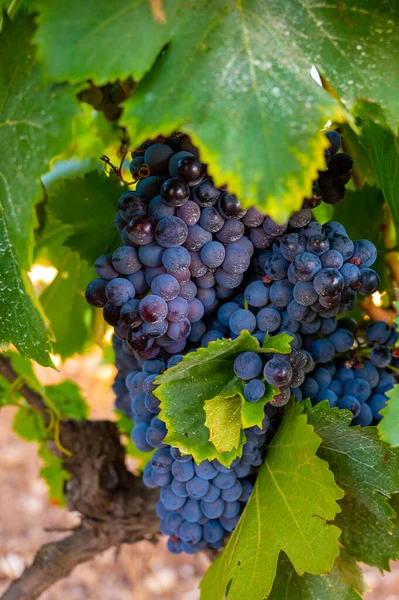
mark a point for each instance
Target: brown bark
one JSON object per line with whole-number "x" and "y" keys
{"x": 114, "y": 505}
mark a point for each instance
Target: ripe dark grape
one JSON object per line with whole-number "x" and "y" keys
{"x": 190, "y": 170}
{"x": 141, "y": 230}
{"x": 175, "y": 192}
{"x": 230, "y": 207}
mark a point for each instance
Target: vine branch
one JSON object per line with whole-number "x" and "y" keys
{"x": 115, "y": 507}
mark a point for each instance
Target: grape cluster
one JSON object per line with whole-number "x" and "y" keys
{"x": 200, "y": 504}
{"x": 194, "y": 267}
{"x": 358, "y": 379}
{"x": 187, "y": 247}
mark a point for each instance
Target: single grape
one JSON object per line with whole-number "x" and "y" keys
{"x": 268, "y": 320}
{"x": 230, "y": 207}
{"x": 190, "y": 170}
{"x": 175, "y": 192}
{"x": 248, "y": 365}
{"x": 95, "y": 293}
{"x": 350, "y": 403}
{"x": 369, "y": 280}
{"x": 104, "y": 267}
{"x": 278, "y": 372}
{"x": 141, "y": 230}
{"x": 189, "y": 212}
{"x": 153, "y": 309}
{"x": 171, "y": 231}
{"x": 213, "y": 254}
{"x": 380, "y": 357}
{"x": 119, "y": 291}
{"x": 254, "y": 390}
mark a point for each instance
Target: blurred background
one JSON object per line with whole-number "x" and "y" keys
{"x": 27, "y": 518}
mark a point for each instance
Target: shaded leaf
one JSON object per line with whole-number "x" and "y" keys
{"x": 34, "y": 127}
{"x": 67, "y": 399}
{"x": 294, "y": 495}
{"x": 343, "y": 583}
{"x": 65, "y": 306}
{"x": 89, "y": 205}
{"x": 361, "y": 213}
{"x": 279, "y": 343}
{"x": 368, "y": 470}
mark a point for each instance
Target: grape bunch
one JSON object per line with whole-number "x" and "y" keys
{"x": 195, "y": 266}
{"x": 187, "y": 246}
{"x": 358, "y": 379}
{"x": 200, "y": 504}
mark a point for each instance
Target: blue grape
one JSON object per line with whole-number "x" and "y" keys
{"x": 328, "y": 325}
{"x": 158, "y": 209}
{"x": 126, "y": 260}
{"x": 171, "y": 231}
{"x": 304, "y": 293}
{"x": 365, "y": 416}
{"x": 206, "y": 470}
{"x": 317, "y": 244}
{"x": 177, "y": 455}
{"x": 138, "y": 436}
{"x": 174, "y": 521}
{"x": 300, "y": 218}
{"x": 119, "y": 291}
{"x": 232, "y": 493}
{"x": 176, "y": 260}
{"x": 297, "y": 311}
{"x": 342, "y": 340}
{"x": 152, "y": 272}
{"x": 190, "y": 213}
{"x": 212, "y": 494}
{"x": 161, "y": 479}
{"x": 350, "y": 403}
{"x": 380, "y": 357}
{"x": 188, "y": 290}
{"x": 190, "y": 532}
{"x": 191, "y": 510}
{"x": 231, "y": 509}
{"x": 281, "y": 293}
{"x": 183, "y": 471}
{"x": 213, "y": 510}
{"x": 310, "y": 388}
{"x": 195, "y": 310}
{"x": 268, "y": 320}
{"x": 197, "y": 487}
{"x": 242, "y": 320}
{"x": 104, "y": 267}
{"x": 322, "y": 351}
{"x": 328, "y": 282}
{"x": 228, "y": 280}
{"x": 206, "y": 281}
{"x": 147, "y": 477}
{"x": 177, "y": 331}
{"x": 364, "y": 254}
{"x": 378, "y": 332}
{"x": 248, "y": 365}
{"x": 342, "y": 243}
{"x": 276, "y": 267}
{"x": 351, "y": 275}
{"x": 246, "y": 490}
{"x": 273, "y": 228}
{"x": 236, "y": 260}
{"x": 256, "y": 294}
{"x": 213, "y": 254}
{"x": 166, "y": 286}
{"x": 254, "y": 390}
{"x": 213, "y": 531}
{"x": 290, "y": 244}
{"x": 322, "y": 376}
{"x": 326, "y": 394}
{"x": 369, "y": 282}
{"x": 210, "y": 336}
{"x": 179, "y": 488}
{"x": 211, "y": 220}
{"x": 178, "y": 309}
{"x": 153, "y": 309}
{"x": 232, "y": 231}
{"x": 278, "y": 372}
{"x": 229, "y": 524}
{"x": 332, "y": 259}
{"x": 197, "y": 237}
{"x": 155, "y": 365}
{"x": 156, "y": 433}
{"x": 336, "y": 387}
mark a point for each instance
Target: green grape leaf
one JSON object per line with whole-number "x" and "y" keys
{"x": 223, "y": 419}
{"x": 65, "y": 306}
{"x": 29, "y": 425}
{"x": 361, "y": 213}
{"x": 89, "y": 204}
{"x": 202, "y": 375}
{"x": 54, "y": 475}
{"x": 250, "y": 55}
{"x": 294, "y": 495}
{"x": 365, "y": 467}
{"x": 72, "y": 37}
{"x": 68, "y": 400}
{"x": 125, "y": 426}
{"x": 383, "y": 148}
{"x": 34, "y": 127}
{"x": 343, "y": 583}
{"x": 279, "y": 343}
{"x": 366, "y": 536}
{"x": 388, "y": 427}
